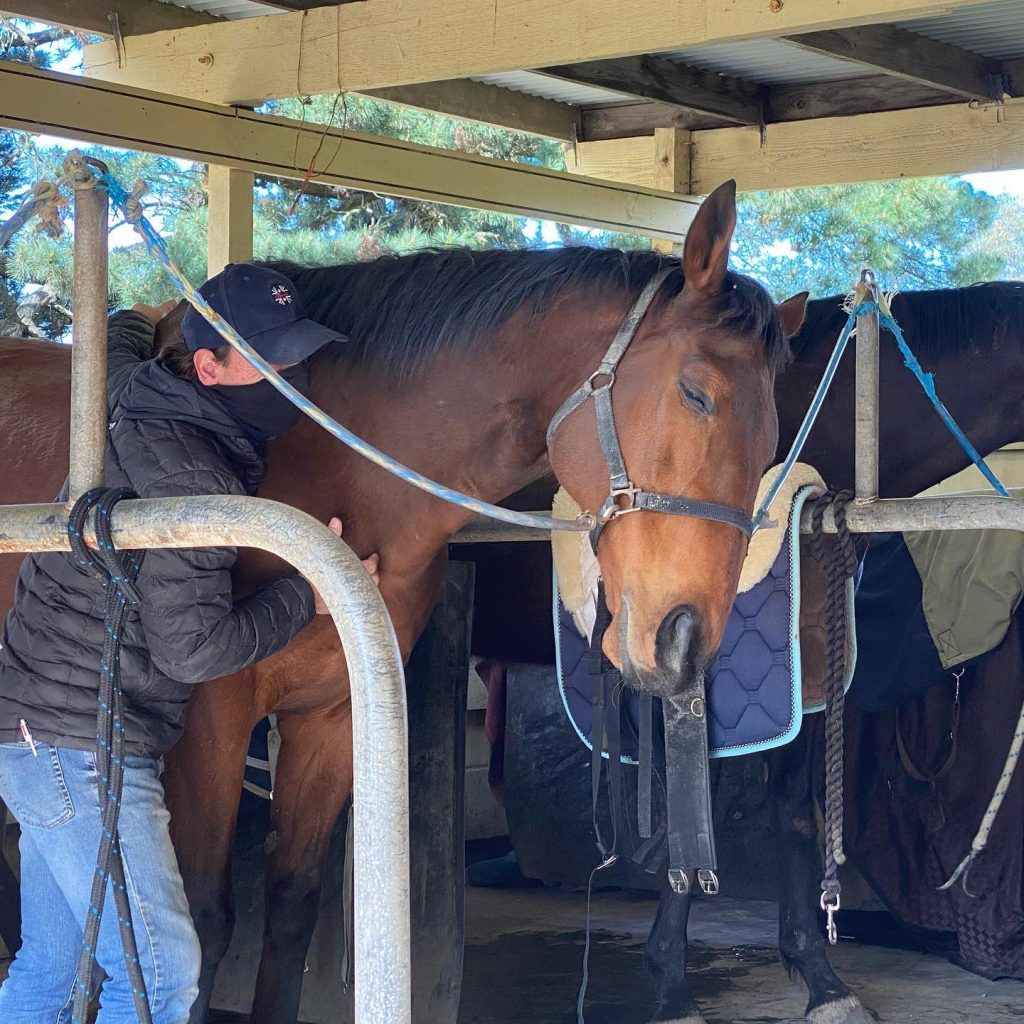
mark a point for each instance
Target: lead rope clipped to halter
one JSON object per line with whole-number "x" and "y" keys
{"x": 840, "y": 565}
{"x": 116, "y": 572}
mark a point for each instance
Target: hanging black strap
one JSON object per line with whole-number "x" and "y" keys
{"x": 116, "y": 572}
{"x": 599, "y": 712}
{"x": 691, "y": 834}
{"x": 645, "y": 767}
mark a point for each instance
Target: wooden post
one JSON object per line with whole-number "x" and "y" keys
{"x": 661, "y": 161}
{"x": 671, "y": 170}
{"x": 229, "y": 230}
{"x": 436, "y": 679}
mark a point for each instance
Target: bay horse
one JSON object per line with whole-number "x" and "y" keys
{"x": 973, "y": 340}
{"x": 456, "y": 363}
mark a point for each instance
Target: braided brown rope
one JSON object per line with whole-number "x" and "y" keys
{"x": 840, "y": 565}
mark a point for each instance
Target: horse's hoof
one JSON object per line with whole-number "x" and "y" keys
{"x": 841, "y": 1011}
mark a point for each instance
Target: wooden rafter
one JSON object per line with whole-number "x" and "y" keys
{"x": 72, "y": 107}
{"x": 478, "y": 101}
{"x": 655, "y": 78}
{"x": 379, "y": 43}
{"x": 910, "y": 56}
{"x": 786, "y": 103}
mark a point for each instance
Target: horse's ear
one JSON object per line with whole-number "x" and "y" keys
{"x": 706, "y": 251}
{"x": 792, "y": 313}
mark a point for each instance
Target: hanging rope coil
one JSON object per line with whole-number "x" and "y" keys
{"x": 840, "y": 564}
{"x": 116, "y": 572}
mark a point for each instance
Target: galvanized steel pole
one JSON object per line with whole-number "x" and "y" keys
{"x": 88, "y": 329}
{"x": 866, "y": 407}
{"x": 381, "y": 797}
{"x": 949, "y": 512}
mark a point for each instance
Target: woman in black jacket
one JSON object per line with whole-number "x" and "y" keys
{"x": 201, "y": 428}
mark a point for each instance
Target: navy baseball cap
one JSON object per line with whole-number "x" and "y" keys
{"x": 264, "y": 308}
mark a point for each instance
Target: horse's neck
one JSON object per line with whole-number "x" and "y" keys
{"x": 473, "y": 422}
{"x": 983, "y": 387}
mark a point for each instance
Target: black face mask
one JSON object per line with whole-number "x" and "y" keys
{"x": 260, "y": 409}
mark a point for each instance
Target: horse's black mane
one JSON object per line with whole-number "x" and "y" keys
{"x": 400, "y": 312}
{"x": 936, "y": 323}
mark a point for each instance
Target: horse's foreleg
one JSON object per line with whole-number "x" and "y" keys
{"x": 666, "y": 954}
{"x": 203, "y": 780}
{"x": 791, "y": 773}
{"x": 313, "y": 784}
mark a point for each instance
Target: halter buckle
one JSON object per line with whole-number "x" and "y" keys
{"x": 609, "y": 374}
{"x": 620, "y": 501}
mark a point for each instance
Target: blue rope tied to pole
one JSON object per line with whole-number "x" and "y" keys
{"x": 129, "y": 204}
{"x": 927, "y": 382}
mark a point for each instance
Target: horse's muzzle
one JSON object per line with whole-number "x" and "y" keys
{"x": 676, "y": 653}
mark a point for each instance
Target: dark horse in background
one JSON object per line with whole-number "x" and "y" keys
{"x": 973, "y": 340}
{"x": 456, "y": 363}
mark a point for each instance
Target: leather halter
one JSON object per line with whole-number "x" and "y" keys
{"x": 623, "y": 496}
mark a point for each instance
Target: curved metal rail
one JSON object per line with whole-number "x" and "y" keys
{"x": 381, "y": 797}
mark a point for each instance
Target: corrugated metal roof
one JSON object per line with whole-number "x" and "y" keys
{"x": 551, "y": 88}
{"x": 996, "y": 30}
{"x": 231, "y": 9}
{"x": 768, "y": 62}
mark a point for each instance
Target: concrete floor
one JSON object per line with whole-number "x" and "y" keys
{"x": 524, "y": 955}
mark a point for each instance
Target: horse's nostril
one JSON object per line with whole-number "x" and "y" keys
{"x": 677, "y": 639}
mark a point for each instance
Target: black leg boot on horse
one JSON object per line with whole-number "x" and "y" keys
{"x": 791, "y": 771}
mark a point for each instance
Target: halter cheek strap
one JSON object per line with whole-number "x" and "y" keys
{"x": 623, "y": 497}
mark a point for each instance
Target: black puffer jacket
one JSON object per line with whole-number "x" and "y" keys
{"x": 168, "y": 437}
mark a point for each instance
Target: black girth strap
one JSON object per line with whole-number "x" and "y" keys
{"x": 691, "y": 833}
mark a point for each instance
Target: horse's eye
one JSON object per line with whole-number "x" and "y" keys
{"x": 692, "y": 396}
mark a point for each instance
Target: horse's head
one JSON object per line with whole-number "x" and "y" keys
{"x": 695, "y": 415}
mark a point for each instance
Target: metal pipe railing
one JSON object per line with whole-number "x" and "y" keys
{"x": 380, "y": 762}
{"x": 883, "y": 515}
{"x": 88, "y": 329}
{"x": 866, "y": 406}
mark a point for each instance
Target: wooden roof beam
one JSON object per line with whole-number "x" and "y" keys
{"x": 73, "y": 107}
{"x": 381, "y": 43}
{"x": 134, "y": 17}
{"x": 655, "y": 78}
{"x": 909, "y": 56}
{"x": 786, "y": 103}
{"x": 489, "y": 104}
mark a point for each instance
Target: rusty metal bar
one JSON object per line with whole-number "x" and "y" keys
{"x": 866, "y": 403}
{"x": 88, "y": 329}
{"x": 381, "y": 797}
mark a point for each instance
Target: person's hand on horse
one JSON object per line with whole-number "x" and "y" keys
{"x": 154, "y": 314}
{"x": 371, "y": 565}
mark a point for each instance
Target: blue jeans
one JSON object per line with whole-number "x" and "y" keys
{"x": 54, "y": 797}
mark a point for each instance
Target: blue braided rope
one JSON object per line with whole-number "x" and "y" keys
{"x": 927, "y": 382}
{"x": 158, "y": 250}
{"x": 812, "y": 411}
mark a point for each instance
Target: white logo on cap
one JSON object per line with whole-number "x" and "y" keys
{"x": 281, "y": 295}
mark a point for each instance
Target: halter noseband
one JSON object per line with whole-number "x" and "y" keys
{"x": 623, "y": 497}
